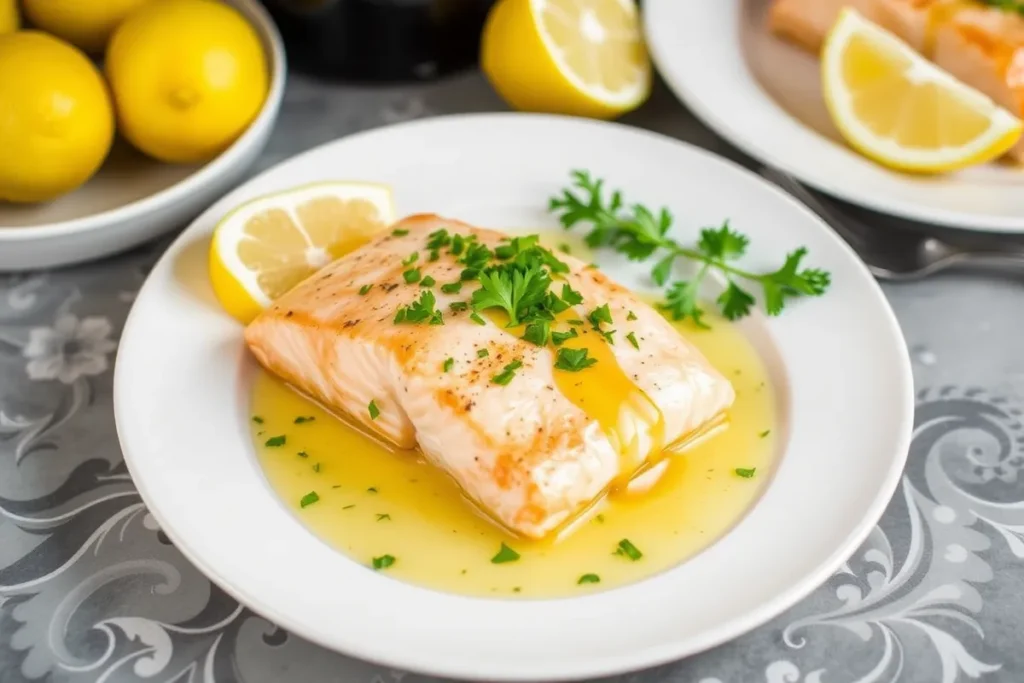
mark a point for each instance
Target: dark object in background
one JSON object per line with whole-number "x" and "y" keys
{"x": 380, "y": 40}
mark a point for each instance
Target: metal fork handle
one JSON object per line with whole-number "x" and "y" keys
{"x": 829, "y": 216}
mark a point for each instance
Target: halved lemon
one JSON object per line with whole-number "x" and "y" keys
{"x": 896, "y": 107}
{"x": 577, "y": 57}
{"x": 268, "y": 245}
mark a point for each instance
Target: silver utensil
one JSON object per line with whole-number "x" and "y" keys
{"x": 892, "y": 254}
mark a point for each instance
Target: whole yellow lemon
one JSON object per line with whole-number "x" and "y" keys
{"x": 87, "y": 24}
{"x": 9, "y": 21}
{"x": 188, "y": 77}
{"x": 56, "y": 117}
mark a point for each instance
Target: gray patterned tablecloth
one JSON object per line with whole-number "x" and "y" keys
{"x": 91, "y": 590}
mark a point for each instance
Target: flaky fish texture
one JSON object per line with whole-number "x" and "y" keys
{"x": 526, "y": 454}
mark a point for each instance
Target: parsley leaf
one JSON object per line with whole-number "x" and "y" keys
{"x": 275, "y": 441}
{"x": 505, "y": 554}
{"x": 639, "y": 233}
{"x": 412, "y": 275}
{"x": 428, "y": 282}
{"x": 451, "y": 287}
{"x": 507, "y": 374}
{"x": 570, "y": 295}
{"x": 559, "y": 338}
{"x": 745, "y": 473}
{"x": 421, "y": 310}
{"x": 588, "y": 578}
{"x": 632, "y": 340}
{"x": 373, "y": 410}
{"x": 573, "y": 360}
{"x": 538, "y": 332}
{"x": 449, "y": 363}
{"x": 365, "y": 289}
{"x": 628, "y": 550}
{"x": 383, "y": 562}
{"x": 309, "y": 499}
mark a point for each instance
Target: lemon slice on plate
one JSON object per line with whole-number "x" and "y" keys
{"x": 896, "y": 107}
{"x": 578, "y": 57}
{"x": 268, "y": 245}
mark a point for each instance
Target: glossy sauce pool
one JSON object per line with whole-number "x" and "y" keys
{"x": 372, "y": 502}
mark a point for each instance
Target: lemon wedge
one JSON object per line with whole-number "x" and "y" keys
{"x": 577, "y": 57}
{"x": 896, "y": 107}
{"x": 268, "y": 245}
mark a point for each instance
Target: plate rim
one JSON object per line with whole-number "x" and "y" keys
{"x": 615, "y": 664}
{"x": 265, "y": 27}
{"x": 660, "y": 14}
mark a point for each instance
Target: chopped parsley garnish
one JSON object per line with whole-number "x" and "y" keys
{"x": 436, "y": 318}
{"x": 383, "y": 562}
{"x": 765, "y": 433}
{"x": 570, "y": 295}
{"x": 411, "y": 258}
{"x": 629, "y": 550}
{"x": 303, "y": 454}
{"x": 451, "y": 287}
{"x": 640, "y": 234}
{"x": 559, "y": 338}
{"x": 383, "y": 517}
{"x": 506, "y": 375}
{"x": 449, "y": 363}
{"x": 519, "y": 285}
{"x": 564, "y": 248}
{"x": 576, "y": 322}
{"x": 275, "y": 441}
{"x": 573, "y": 360}
{"x": 365, "y": 289}
{"x": 374, "y": 410}
{"x": 412, "y": 275}
{"x": 505, "y": 554}
{"x": 458, "y": 244}
{"x": 372, "y": 489}
{"x": 588, "y": 578}
{"x": 434, "y": 255}
{"x": 457, "y": 306}
{"x": 538, "y": 332}
{"x": 398, "y": 232}
{"x": 428, "y": 282}
{"x": 302, "y": 419}
{"x": 309, "y": 499}
{"x": 632, "y": 340}
{"x": 316, "y": 468}
{"x": 600, "y": 315}
{"x": 257, "y": 419}
{"x": 421, "y": 310}
{"x": 477, "y": 319}
{"x": 348, "y": 507}
{"x": 745, "y": 473}
{"x": 482, "y": 353}
{"x": 631, "y": 316}
{"x": 438, "y": 239}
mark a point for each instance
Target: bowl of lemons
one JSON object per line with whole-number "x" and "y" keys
{"x": 123, "y": 119}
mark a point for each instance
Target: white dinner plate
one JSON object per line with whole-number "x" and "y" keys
{"x": 838, "y": 362}
{"x": 133, "y": 198}
{"x": 764, "y": 96}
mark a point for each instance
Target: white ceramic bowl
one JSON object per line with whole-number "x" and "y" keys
{"x": 845, "y": 426}
{"x": 133, "y": 199}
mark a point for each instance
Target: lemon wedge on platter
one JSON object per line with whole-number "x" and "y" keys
{"x": 896, "y": 107}
{"x": 268, "y": 245}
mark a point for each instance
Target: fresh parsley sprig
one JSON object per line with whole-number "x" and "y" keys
{"x": 639, "y": 233}
{"x": 1007, "y": 5}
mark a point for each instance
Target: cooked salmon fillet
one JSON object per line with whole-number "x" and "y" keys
{"x": 530, "y": 452}
{"x": 980, "y": 45}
